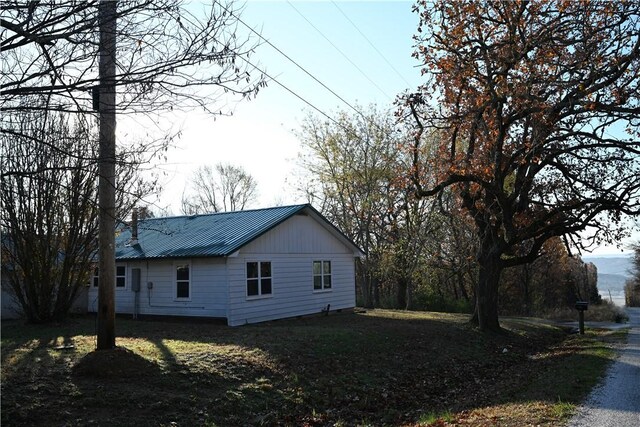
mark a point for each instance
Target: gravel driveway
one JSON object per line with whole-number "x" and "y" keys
{"x": 616, "y": 403}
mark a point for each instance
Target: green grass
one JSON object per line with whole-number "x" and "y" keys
{"x": 582, "y": 355}
{"x": 433, "y": 417}
{"x": 562, "y": 410}
{"x": 378, "y": 368}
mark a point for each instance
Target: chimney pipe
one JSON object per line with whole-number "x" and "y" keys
{"x": 134, "y": 226}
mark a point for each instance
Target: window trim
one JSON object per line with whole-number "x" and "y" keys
{"x": 95, "y": 277}
{"x": 126, "y": 282}
{"x": 322, "y": 276}
{"x": 246, "y": 280}
{"x": 175, "y": 280}
{"x": 94, "y": 280}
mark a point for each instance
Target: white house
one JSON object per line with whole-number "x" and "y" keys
{"x": 246, "y": 266}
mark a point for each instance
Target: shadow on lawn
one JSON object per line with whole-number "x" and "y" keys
{"x": 318, "y": 371}
{"x": 119, "y": 387}
{"x": 33, "y": 380}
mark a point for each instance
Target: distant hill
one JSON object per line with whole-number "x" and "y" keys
{"x": 613, "y": 272}
{"x": 611, "y": 281}
{"x": 612, "y": 265}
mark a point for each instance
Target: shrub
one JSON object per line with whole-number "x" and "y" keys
{"x": 606, "y": 311}
{"x": 632, "y": 294}
{"x": 427, "y": 301}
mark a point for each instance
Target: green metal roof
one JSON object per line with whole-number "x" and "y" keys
{"x": 210, "y": 235}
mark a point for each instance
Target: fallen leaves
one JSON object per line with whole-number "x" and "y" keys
{"x": 378, "y": 368}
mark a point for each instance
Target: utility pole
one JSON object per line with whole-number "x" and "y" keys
{"x": 107, "y": 175}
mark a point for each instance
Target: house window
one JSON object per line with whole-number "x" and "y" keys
{"x": 258, "y": 278}
{"x": 183, "y": 281}
{"x": 321, "y": 275}
{"x": 96, "y": 279}
{"x": 121, "y": 276}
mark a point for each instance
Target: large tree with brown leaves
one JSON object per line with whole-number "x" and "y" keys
{"x": 537, "y": 108}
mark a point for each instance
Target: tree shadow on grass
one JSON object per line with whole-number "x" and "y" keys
{"x": 118, "y": 362}
{"x": 350, "y": 369}
{"x": 34, "y": 379}
{"x": 188, "y": 388}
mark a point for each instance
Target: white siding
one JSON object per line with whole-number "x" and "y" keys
{"x": 291, "y": 248}
{"x": 208, "y": 291}
{"x": 79, "y": 306}
{"x": 10, "y": 307}
{"x": 299, "y": 234}
{"x": 123, "y": 297}
{"x": 218, "y": 286}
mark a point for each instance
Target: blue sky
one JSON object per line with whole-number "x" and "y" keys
{"x": 317, "y": 35}
{"x": 332, "y": 41}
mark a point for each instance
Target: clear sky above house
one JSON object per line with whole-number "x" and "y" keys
{"x": 361, "y": 50}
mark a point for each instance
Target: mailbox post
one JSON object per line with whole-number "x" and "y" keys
{"x": 582, "y": 306}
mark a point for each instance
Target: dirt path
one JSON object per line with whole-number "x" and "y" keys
{"x": 616, "y": 403}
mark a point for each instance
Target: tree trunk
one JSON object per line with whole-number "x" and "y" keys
{"x": 375, "y": 285}
{"x": 485, "y": 315}
{"x": 364, "y": 279}
{"x": 402, "y": 287}
{"x": 461, "y": 285}
{"x": 107, "y": 172}
{"x": 526, "y": 282}
{"x": 367, "y": 299}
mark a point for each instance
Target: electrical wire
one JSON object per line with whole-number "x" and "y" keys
{"x": 290, "y": 59}
{"x": 340, "y": 51}
{"x": 291, "y": 91}
{"x": 356, "y": 110}
{"x": 371, "y": 44}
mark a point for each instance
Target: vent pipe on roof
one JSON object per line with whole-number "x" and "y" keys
{"x": 134, "y": 227}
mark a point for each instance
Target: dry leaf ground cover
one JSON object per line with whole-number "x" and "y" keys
{"x": 374, "y": 368}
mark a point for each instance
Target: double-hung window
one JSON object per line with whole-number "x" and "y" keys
{"x": 183, "y": 281}
{"x": 321, "y": 275}
{"x": 120, "y": 278}
{"x": 95, "y": 279}
{"x": 259, "y": 278}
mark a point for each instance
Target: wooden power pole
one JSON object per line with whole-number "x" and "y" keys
{"x": 107, "y": 175}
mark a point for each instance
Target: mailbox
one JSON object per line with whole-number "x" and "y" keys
{"x": 582, "y": 305}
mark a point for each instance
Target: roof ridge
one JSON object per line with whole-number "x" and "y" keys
{"x": 217, "y": 234}
{"x": 300, "y": 205}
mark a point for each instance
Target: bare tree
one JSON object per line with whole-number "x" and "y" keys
{"x": 237, "y": 187}
{"x": 223, "y": 187}
{"x": 350, "y": 172}
{"x": 169, "y": 56}
{"x": 49, "y": 210}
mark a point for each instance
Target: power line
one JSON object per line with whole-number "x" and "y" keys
{"x": 340, "y": 51}
{"x": 292, "y": 92}
{"x": 337, "y": 123}
{"x": 290, "y": 59}
{"x": 304, "y": 70}
{"x": 371, "y": 44}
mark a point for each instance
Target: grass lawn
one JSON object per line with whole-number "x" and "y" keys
{"x": 375, "y": 368}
